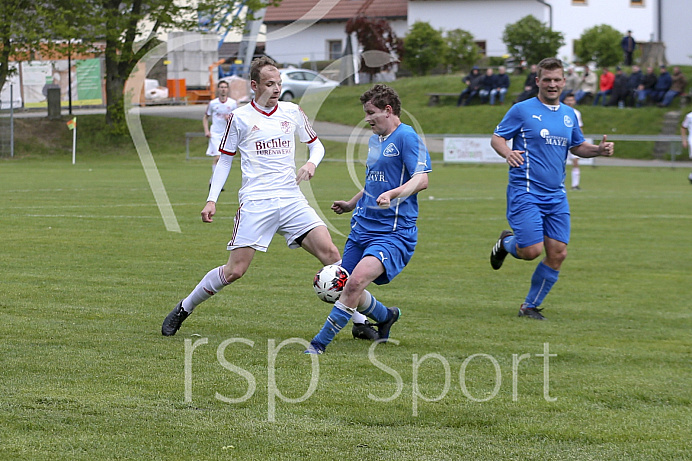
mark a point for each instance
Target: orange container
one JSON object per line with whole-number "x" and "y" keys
{"x": 176, "y": 88}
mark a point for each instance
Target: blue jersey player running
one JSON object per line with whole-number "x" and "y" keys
{"x": 542, "y": 131}
{"x": 383, "y": 226}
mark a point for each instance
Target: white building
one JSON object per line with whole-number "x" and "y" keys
{"x": 296, "y": 32}
{"x": 320, "y": 35}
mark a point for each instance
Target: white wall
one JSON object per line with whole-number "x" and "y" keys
{"x": 311, "y": 44}
{"x": 484, "y": 19}
{"x": 573, "y": 19}
{"x": 487, "y": 19}
{"x": 677, "y": 20}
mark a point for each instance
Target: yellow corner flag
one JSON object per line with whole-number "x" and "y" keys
{"x": 72, "y": 124}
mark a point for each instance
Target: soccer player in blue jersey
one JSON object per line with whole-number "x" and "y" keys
{"x": 542, "y": 131}
{"x": 383, "y": 225}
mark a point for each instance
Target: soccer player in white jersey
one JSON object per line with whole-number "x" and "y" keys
{"x": 383, "y": 225}
{"x": 571, "y": 101}
{"x": 219, "y": 110}
{"x": 542, "y": 131}
{"x": 262, "y": 132}
{"x": 686, "y": 133}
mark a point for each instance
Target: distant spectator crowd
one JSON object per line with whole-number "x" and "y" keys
{"x": 607, "y": 89}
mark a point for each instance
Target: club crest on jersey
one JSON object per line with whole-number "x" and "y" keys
{"x": 390, "y": 150}
{"x": 286, "y": 126}
{"x": 569, "y": 123}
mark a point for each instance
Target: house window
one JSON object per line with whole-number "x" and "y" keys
{"x": 334, "y": 47}
{"x": 636, "y": 2}
{"x": 578, "y": 2}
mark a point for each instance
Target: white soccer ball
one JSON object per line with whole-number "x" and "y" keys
{"x": 329, "y": 282}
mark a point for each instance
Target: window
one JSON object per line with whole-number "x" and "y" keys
{"x": 578, "y": 2}
{"x": 636, "y": 2}
{"x": 334, "y": 49}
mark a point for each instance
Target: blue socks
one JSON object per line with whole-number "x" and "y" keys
{"x": 510, "y": 244}
{"x": 337, "y": 319}
{"x": 340, "y": 315}
{"x": 542, "y": 281}
{"x": 373, "y": 308}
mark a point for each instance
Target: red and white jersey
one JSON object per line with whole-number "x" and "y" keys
{"x": 219, "y": 112}
{"x": 266, "y": 143}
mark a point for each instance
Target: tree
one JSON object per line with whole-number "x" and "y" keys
{"x": 462, "y": 51}
{"x": 128, "y": 28}
{"x": 124, "y": 20}
{"x": 600, "y": 44}
{"x": 21, "y": 26}
{"x": 424, "y": 48}
{"x": 375, "y": 34}
{"x": 531, "y": 40}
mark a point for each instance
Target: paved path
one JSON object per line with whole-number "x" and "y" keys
{"x": 335, "y": 132}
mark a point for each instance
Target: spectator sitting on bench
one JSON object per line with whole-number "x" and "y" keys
{"x": 588, "y": 85}
{"x": 487, "y": 85}
{"x": 633, "y": 82}
{"x": 530, "y": 85}
{"x": 663, "y": 84}
{"x": 473, "y": 86}
{"x": 501, "y": 86}
{"x": 647, "y": 86}
{"x": 678, "y": 87}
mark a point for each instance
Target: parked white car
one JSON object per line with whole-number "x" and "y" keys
{"x": 294, "y": 83}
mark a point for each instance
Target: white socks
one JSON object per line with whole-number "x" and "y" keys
{"x": 576, "y": 176}
{"x": 211, "y": 284}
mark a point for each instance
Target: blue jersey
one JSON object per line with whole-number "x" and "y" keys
{"x": 545, "y": 134}
{"x": 391, "y": 162}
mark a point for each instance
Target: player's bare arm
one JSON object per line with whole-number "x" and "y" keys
{"x": 205, "y": 123}
{"x": 513, "y": 158}
{"x": 208, "y": 212}
{"x": 683, "y": 134}
{"x": 414, "y": 185}
{"x": 587, "y": 150}
{"x": 342, "y": 206}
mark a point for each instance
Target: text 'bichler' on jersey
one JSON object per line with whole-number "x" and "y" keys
{"x": 266, "y": 143}
{"x": 545, "y": 134}
{"x": 391, "y": 163}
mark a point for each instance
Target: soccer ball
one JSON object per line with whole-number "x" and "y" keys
{"x": 329, "y": 282}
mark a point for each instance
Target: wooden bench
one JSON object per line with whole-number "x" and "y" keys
{"x": 435, "y": 97}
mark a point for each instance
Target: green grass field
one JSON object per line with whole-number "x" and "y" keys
{"x": 89, "y": 272}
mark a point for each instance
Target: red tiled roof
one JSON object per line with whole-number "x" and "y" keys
{"x": 291, "y": 10}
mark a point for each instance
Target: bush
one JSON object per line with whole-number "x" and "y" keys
{"x": 600, "y": 44}
{"x": 531, "y": 40}
{"x": 424, "y": 48}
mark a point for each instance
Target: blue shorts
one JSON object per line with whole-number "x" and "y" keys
{"x": 534, "y": 217}
{"x": 393, "y": 249}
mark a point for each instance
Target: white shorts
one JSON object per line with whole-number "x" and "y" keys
{"x": 214, "y": 142}
{"x": 256, "y": 222}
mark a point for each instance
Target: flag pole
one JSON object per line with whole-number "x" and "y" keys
{"x": 74, "y": 143}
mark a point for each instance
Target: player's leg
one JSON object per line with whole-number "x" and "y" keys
{"x": 214, "y": 281}
{"x": 254, "y": 226}
{"x": 557, "y": 230}
{"x": 366, "y": 271}
{"x": 576, "y": 173}
{"x": 525, "y": 241}
{"x": 318, "y": 242}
